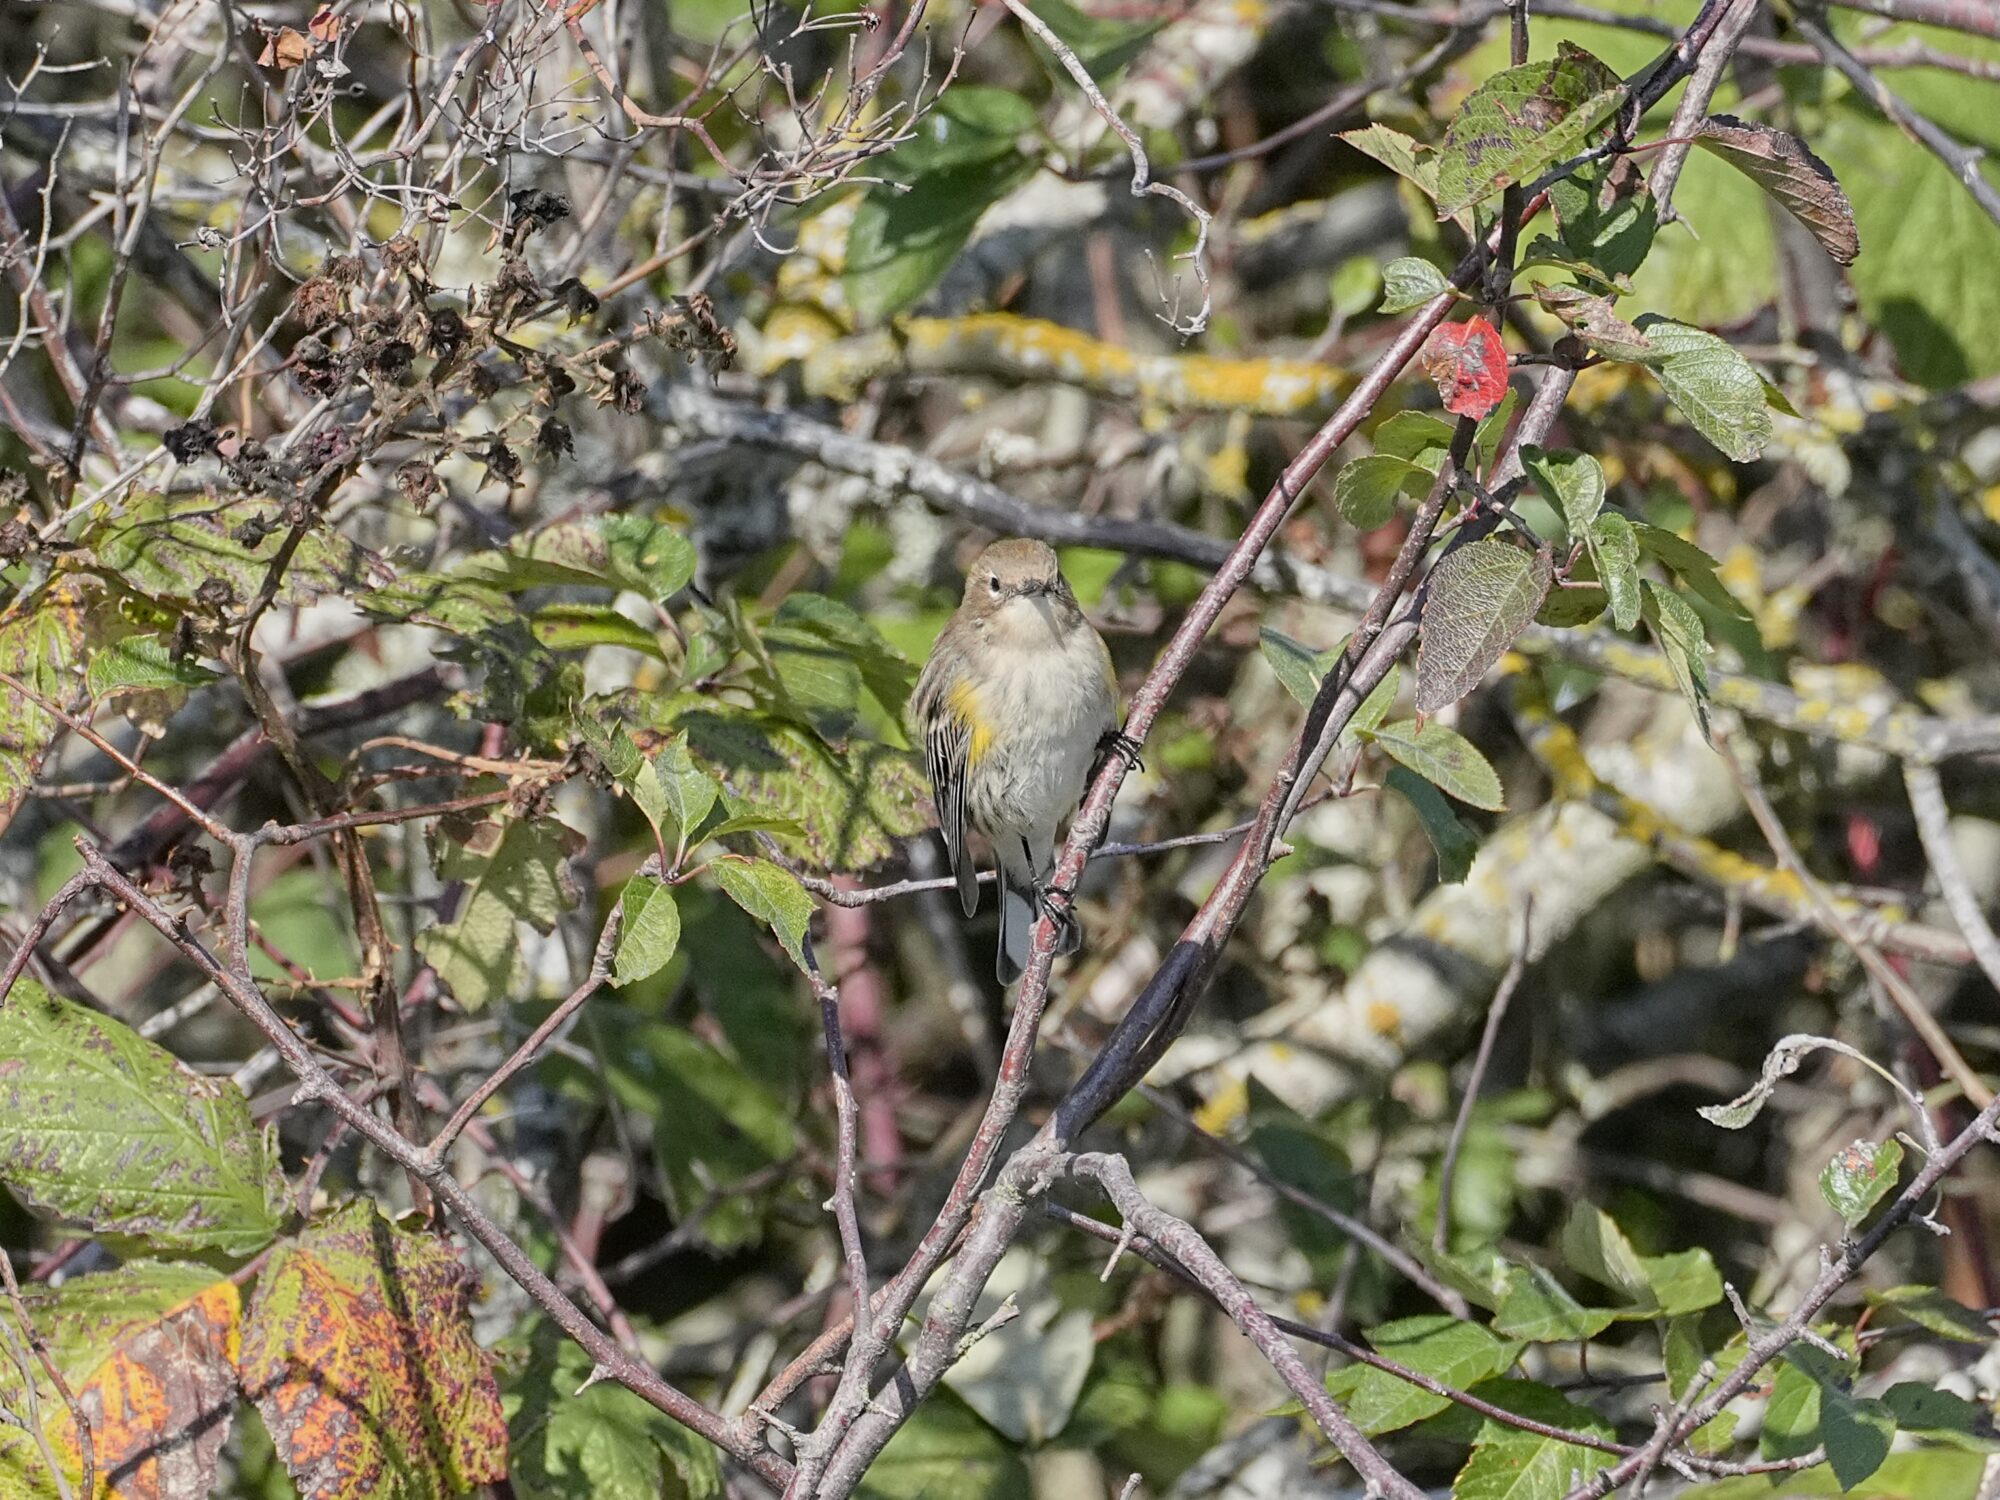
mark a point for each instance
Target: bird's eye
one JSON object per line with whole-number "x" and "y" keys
{"x": 993, "y": 582}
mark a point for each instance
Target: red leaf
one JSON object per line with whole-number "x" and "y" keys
{"x": 1468, "y": 365}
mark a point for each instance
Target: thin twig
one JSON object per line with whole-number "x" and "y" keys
{"x": 1495, "y": 1014}
{"x": 1934, "y": 831}
{"x": 1907, "y": 1002}
{"x": 1143, "y": 183}
{"x": 1962, "y": 160}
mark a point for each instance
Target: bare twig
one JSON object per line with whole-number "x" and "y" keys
{"x": 1143, "y": 183}
{"x": 1185, "y": 1244}
{"x": 1934, "y": 829}
{"x": 1495, "y": 1014}
{"x": 1962, "y": 160}
{"x": 1909, "y": 1005}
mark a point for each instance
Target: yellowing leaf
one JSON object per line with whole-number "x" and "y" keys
{"x": 360, "y": 1356}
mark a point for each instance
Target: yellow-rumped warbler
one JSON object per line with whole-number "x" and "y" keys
{"x": 1015, "y": 705}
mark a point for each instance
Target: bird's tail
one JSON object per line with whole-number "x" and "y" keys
{"x": 1018, "y": 913}
{"x": 1017, "y": 926}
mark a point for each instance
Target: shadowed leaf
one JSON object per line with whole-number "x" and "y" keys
{"x": 358, "y": 1352}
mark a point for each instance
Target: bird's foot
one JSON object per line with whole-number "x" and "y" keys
{"x": 1060, "y": 908}
{"x": 1117, "y": 742}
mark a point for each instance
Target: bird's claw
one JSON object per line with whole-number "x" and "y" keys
{"x": 1122, "y": 745}
{"x": 1060, "y": 908}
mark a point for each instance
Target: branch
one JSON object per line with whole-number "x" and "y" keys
{"x": 1835, "y": 1272}
{"x": 1495, "y": 1013}
{"x": 315, "y": 1083}
{"x": 1143, "y": 184}
{"x": 1961, "y": 159}
{"x": 1693, "y": 108}
{"x": 1934, "y": 830}
{"x": 1182, "y": 1241}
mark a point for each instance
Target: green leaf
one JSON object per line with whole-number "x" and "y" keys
{"x": 1857, "y": 1432}
{"x": 169, "y": 549}
{"x": 1926, "y": 280}
{"x": 1713, "y": 385}
{"x": 142, "y": 664}
{"x": 43, "y": 643}
{"x": 852, "y": 804}
{"x": 1416, "y": 435}
{"x": 1404, "y": 155}
{"x": 1682, "y": 639}
{"x": 577, "y": 627}
{"x": 1104, "y": 46}
{"x": 1681, "y": 1283}
{"x": 1408, "y": 282}
{"x": 1594, "y": 1246}
{"x": 1508, "y": 1463}
{"x": 715, "y": 1126}
{"x": 1449, "y": 1351}
{"x": 824, "y": 654}
{"x": 1931, "y": 1309}
{"x": 1446, "y": 759}
{"x": 945, "y": 1450}
{"x": 968, "y": 124}
{"x": 1297, "y": 1152}
{"x": 1372, "y": 710}
{"x": 1934, "y": 1473}
{"x": 771, "y": 894}
{"x": 650, "y": 933}
{"x": 569, "y": 1438}
{"x": 1480, "y": 598}
{"x": 904, "y": 237}
{"x": 1689, "y": 564}
{"x": 1366, "y": 489}
{"x": 1860, "y": 1175}
{"x": 1606, "y": 215}
{"x": 1569, "y": 606}
{"x": 513, "y": 871}
{"x": 1614, "y": 553}
{"x": 674, "y": 793}
{"x": 1522, "y": 120}
{"x": 1572, "y": 482}
{"x": 1297, "y": 666}
{"x": 1941, "y": 1416}
{"x": 1352, "y": 290}
{"x": 103, "y": 1129}
{"x": 618, "y": 551}
{"x": 1539, "y": 1309}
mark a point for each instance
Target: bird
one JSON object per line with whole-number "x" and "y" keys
{"x": 1016, "y": 706}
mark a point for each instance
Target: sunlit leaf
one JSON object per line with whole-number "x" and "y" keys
{"x": 102, "y": 1128}
{"x": 1481, "y": 597}
{"x": 1522, "y": 120}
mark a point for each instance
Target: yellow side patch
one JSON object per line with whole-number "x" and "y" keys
{"x": 964, "y": 705}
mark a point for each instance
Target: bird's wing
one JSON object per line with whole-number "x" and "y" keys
{"x": 947, "y": 752}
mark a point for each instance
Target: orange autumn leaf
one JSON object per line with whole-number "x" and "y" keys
{"x": 359, "y": 1353}
{"x": 325, "y": 26}
{"x": 285, "y": 48}
{"x": 149, "y": 1352}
